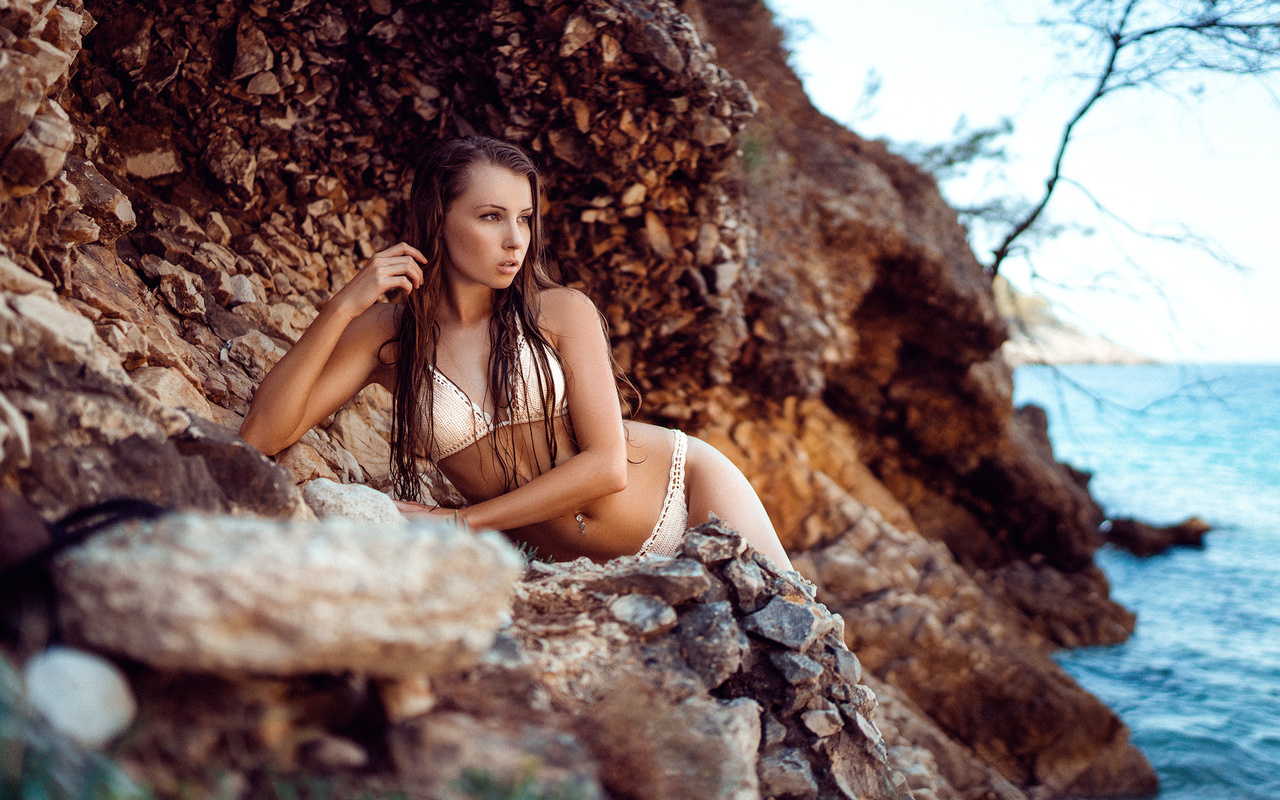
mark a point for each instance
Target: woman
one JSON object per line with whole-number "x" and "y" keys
{"x": 503, "y": 378}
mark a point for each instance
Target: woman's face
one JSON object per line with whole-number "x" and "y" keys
{"x": 487, "y": 228}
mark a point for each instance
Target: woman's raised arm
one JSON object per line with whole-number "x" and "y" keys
{"x": 336, "y": 357}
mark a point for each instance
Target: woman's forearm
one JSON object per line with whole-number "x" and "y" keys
{"x": 572, "y": 484}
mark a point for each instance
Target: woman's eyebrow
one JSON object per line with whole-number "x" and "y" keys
{"x": 528, "y": 209}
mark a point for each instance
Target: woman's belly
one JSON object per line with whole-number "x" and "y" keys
{"x": 616, "y": 524}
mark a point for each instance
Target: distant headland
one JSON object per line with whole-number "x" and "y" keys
{"x": 1037, "y": 336}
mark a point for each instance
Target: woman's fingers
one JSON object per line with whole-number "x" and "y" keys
{"x": 403, "y": 249}
{"x": 401, "y": 264}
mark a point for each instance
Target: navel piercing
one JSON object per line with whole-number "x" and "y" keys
{"x": 582, "y": 523}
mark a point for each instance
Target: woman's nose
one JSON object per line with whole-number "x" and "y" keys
{"x": 514, "y": 238}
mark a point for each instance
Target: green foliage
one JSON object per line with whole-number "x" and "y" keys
{"x": 752, "y": 148}
{"x": 967, "y": 147}
{"x": 530, "y": 553}
{"x": 482, "y": 785}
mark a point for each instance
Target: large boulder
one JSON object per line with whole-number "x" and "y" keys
{"x": 235, "y": 595}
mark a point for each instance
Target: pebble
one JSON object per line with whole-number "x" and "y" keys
{"x": 82, "y": 695}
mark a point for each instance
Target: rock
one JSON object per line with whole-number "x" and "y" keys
{"x": 17, "y": 280}
{"x": 796, "y": 667}
{"x": 712, "y": 642}
{"x": 786, "y": 773}
{"x": 15, "y": 437}
{"x": 698, "y": 748}
{"x": 244, "y": 290}
{"x": 823, "y": 722}
{"x": 849, "y": 666}
{"x": 747, "y": 581}
{"x": 448, "y": 750}
{"x": 406, "y": 698}
{"x": 263, "y": 83}
{"x": 1143, "y": 539}
{"x": 331, "y": 752}
{"x": 351, "y": 501}
{"x": 230, "y": 163}
{"x": 577, "y": 32}
{"x": 643, "y": 614}
{"x": 361, "y": 429}
{"x": 171, "y": 388}
{"x": 85, "y": 697}
{"x": 102, "y": 201}
{"x": 21, "y": 91}
{"x": 222, "y": 594}
{"x": 798, "y": 296}
{"x": 180, "y": 289}
{"x": 253, "y": 53}
{"x": 154, "y": 163}
{"x": 712, "y": 549}
{"x": 786, "y": 622}
{"x": 673, "y": 580}
{"x": 247, "y": 478}
{"x": 256, "y": 352}
{"x": 23, "y": 533}
{"x": 78, "y": 228}
{"x": 38, "y": 154}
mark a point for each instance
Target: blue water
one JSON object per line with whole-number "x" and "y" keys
{"x": 1199, "y": 681}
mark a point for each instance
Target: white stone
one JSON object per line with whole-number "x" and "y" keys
{"x": 233, "y": 595}
{"x": 352, "y": 501}
{"x": 83, "y": 696}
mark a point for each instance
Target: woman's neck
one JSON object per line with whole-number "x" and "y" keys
{"x": 471, "y": 306}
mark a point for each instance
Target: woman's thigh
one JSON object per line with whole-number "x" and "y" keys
{"x": 716, "y": 486}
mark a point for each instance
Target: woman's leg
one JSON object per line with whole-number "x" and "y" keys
{"x": 717, "y": 486}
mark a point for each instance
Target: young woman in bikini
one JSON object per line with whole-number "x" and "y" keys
{"x": 502, "y": 378}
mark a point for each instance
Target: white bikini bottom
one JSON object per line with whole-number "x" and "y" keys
{"x": 674, "y": 519}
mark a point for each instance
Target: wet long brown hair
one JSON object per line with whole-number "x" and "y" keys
{"x": 441, "y": 177}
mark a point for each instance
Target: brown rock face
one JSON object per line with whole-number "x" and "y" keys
{"x": 182, "y": 186}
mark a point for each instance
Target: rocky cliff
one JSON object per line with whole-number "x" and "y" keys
{"x": 185, "y": 183}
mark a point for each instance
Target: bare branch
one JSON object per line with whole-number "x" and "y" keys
{"x": 1146, "y": 43}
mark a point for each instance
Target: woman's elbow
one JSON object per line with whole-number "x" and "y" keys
{"x": 616, "y": 476}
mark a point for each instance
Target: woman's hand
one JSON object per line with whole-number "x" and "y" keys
{"x": 399, "y": 267}
{"x": 412, "y": 510}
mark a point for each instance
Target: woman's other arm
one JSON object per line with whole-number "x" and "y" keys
{"x": 600, "y": 466}
{"x": 336, "y": 357}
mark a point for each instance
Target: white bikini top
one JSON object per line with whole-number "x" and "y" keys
{"x": 457, "y": 422}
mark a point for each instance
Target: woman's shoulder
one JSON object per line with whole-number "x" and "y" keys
{"x": 564, "y": 309}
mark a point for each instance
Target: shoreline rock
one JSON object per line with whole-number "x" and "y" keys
{"x": 1145, "y": 539}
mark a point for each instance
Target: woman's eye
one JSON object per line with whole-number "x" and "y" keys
{"x": 490, "y": 215}
{"x": 525, "y": 220}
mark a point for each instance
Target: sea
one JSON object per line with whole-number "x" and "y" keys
{"x": 1198, "y": 683}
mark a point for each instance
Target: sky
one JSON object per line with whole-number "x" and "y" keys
{"x": 1209, "y": 162}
